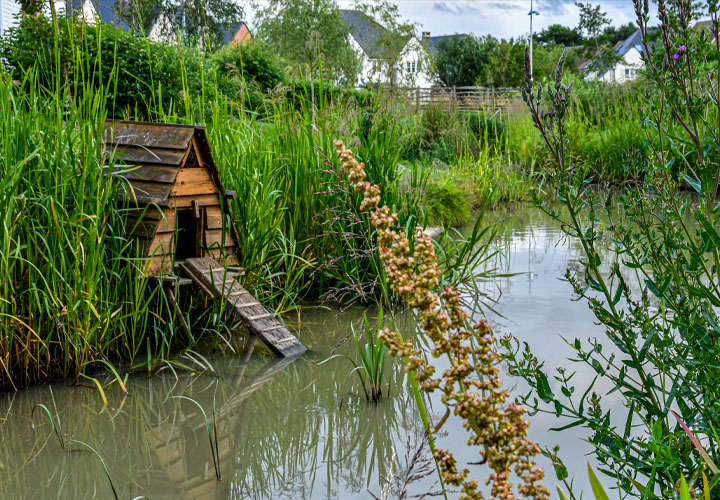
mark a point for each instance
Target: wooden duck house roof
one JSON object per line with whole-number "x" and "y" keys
{"x": 152, "y": 155}
{"x": 164, "y": 167}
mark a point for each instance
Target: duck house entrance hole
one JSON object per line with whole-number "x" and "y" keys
{"x": 189, "y": 234}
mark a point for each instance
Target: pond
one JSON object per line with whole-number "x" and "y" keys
{"x": 298, "y": 429}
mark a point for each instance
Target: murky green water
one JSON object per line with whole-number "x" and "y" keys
{"x": 295, "y": 429}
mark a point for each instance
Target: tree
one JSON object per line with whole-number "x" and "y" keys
{"x": 204, "y": 20}
{"x": 557, "y": 34}
{"x": 614, "y": 35}
{"x": 395, "y": 35}
{"x": 460, "y": 61}
{"x": 592, "y": 23}
{"x": 309, "y": 35}
{"x": 507, "y": 63}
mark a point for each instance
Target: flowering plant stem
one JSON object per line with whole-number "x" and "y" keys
{"x": 471, "y": 386}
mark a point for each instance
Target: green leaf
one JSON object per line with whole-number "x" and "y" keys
{"x": 597, "y": 488}
{"x": 694, "y": 183}
{"x": 543, "y": 387}
{"x": 561, "y": 493}
{"x": 684, "y": 490}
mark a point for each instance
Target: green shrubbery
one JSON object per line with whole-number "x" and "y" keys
{"x": 137, "y": 74}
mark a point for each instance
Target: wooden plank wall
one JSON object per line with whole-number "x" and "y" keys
{"x": 192, "y": 185}
{"x": 490, "y": 99}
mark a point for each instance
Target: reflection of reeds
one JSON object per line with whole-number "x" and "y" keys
{"x": 279, "y": 431}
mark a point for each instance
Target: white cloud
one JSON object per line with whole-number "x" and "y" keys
{"x": 499, "y": 18}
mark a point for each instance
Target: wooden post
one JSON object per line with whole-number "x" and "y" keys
{"x": 493, "y": 100}
{"x": 454, "y": 98}
{"x": 417, "y": 99}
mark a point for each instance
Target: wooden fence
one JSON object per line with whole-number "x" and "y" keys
{"x": 459, "y": 98}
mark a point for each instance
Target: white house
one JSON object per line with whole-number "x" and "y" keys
{"x": 91, "y": 11}
{"x": 627, "y": 68}
{"x": 9, "y": 14}
{"x": 411, "y": 68}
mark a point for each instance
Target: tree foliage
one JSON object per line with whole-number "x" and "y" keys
{"x": 460, "y": 60}
{"x": 396, "y": 34}
{"x": 205, "y": 20}
{"x": 309, "y": 35}
{"x": 592, "y": 24}
{"x": 557, "y": 34}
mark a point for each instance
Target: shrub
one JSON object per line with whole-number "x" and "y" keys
{"x": 251, "y": 63}
{"x": 143, "y": 73}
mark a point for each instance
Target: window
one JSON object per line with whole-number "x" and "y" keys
{"x": 411, "y": 66}
{"x": 631, "y": 72}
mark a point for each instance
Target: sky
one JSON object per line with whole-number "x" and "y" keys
{"x": 500, "y": 18}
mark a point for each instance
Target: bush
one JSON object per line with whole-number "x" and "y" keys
{"x": 250, "y": 63}
{"x": 142, "y": 72}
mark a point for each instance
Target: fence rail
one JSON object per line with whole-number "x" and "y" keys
{"x": 458, "y": 98}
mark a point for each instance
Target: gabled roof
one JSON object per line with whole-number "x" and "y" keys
{"x": 633, "y": 41}
{"x": 231, "y": 31}
{"x": 106, "y": 9}
{"x": 433, "y": 42}
{"x": 366, "y": 31}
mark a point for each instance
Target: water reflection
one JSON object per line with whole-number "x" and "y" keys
{"x": 293, "y": 429}
{"x": 285, "y": 429}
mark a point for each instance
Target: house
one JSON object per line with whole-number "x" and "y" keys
{"x": 237, "y": 34}
{"x": 107, "y": 11}
{"x": 379, "y": 64}
{"x": 628, "y": 66}
{"x": 164, "y": 30}
{"x": 9, "y": 14}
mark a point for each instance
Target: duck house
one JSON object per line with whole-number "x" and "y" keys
{"x": 178, "y": 216}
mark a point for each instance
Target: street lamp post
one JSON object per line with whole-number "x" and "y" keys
{"x": 531, "y": 14}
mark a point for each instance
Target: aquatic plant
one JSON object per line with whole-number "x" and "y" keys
{"x": 657, "y": 292}
{"x": 471, "y": 386}
{"x": 371, "y": 368}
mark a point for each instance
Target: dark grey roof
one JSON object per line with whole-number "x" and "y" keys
{"x": 634, "y": 40}
{"x": 366, "y": 31}
{"x": 106, "y": 9}
{"x": 432, "y": 43}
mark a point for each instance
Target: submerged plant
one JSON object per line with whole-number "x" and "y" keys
{"x": 471, "y": 386}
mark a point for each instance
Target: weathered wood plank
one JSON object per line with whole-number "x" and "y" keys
{"x": 149, "y": 135}
{"x": 193, "y": 181}
{"x": 143, "y": 172}
{"x": 145, "y": 189}
{"x": 162, "y": 243}
{"x": 203, "y": 200}
{"x": 167, "y": 223}
{"x": 217, "y": 237}
{"x": 258, "y": 320}
{"x": 140, "y": 154}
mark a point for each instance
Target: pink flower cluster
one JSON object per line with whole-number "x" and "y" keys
{"x": 471, "y": 385}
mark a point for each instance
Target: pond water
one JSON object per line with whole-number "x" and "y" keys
{"x": 296, "y": 429}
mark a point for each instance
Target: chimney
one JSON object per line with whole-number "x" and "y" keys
{"x": 426, "y": 35}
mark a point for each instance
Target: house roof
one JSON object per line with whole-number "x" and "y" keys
{"x": 633, "y": 41}
{"x": 231, "y": 31}
{"x": 433, "y": 42}
{"x": 366, "y": 31}
{"x": 106, "y": 9}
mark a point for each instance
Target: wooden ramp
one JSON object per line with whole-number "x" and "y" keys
{"x": 218, "y": 282}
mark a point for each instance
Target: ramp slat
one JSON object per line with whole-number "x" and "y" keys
{"x": 206, "y": 273}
